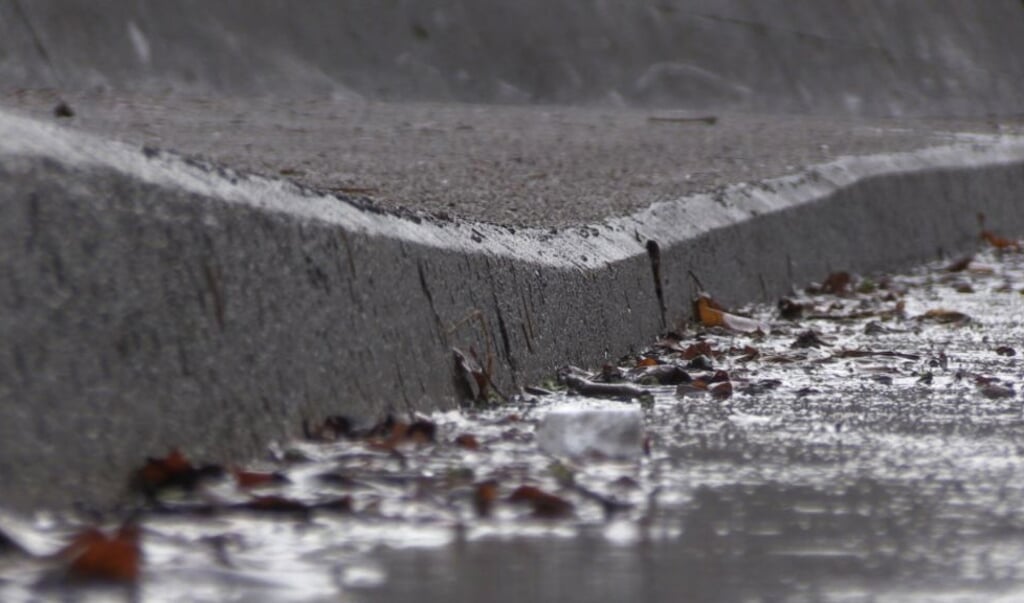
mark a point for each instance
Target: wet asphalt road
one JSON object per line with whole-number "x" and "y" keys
{"x": 870, "y": 447}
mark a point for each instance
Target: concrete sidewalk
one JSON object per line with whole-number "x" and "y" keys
{"x": 547, "y": 166}
{"x": 188, "y": 269}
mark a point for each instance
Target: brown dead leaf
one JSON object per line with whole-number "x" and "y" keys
{"x": 332, "y": 429}
{"x": 544, "y": 505}
{"x": 484, "y": 496}
{"x": 791, "y": 310}
{"x": 275, "y": 504}
{"x": 721, "y": 391}
{"x": 1000, "y": 242}
{"x": 995, "y": 240}
{"x": 257, "y": 479}
{"x": 467, "y": 441}
{"x": 172, "y": 471}
{"x": 700, "y": 348}
{"x": 93, "y": 555}
{"x": 745, "y": 354}
{"x": 391, "y": 433}
{"x": 837, "y": 283}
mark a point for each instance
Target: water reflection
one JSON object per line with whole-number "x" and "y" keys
{"x": 861, "y": 541}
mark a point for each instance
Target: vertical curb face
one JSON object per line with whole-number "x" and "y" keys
{"x": 149, "y": 302}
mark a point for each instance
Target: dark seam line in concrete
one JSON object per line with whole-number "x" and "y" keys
{"x": 442, "y": 336}
{"x": 654, "y": 254}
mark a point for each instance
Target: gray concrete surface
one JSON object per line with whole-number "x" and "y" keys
{"x": 546, "y": 166}
{"x": 184, "y": 268}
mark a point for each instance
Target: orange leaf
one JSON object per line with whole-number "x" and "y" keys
{"x": 708, "y": 312}
{"x": 648, "y": 361}
{"x": 93, "y": 555}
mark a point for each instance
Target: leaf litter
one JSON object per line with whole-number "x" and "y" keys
{"x": 724, "y": 395}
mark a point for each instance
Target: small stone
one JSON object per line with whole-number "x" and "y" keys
{"x": 580, "y": 432}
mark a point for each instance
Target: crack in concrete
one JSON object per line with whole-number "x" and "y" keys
{"x": 654, "y": 254}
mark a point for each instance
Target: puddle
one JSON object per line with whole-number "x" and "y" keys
{"x": 878, "y": 458}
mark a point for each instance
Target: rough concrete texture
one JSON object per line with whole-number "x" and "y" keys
{"x": 850, "y": 56}
{"x": 538, "y": 166}
{"x": 152, "y": 302}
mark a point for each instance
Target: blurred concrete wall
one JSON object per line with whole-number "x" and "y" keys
{"x": 876, "y": 57}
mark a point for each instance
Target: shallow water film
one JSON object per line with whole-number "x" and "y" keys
{"x": 860, "y": 441}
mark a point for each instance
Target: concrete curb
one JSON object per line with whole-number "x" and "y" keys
{"x": 152, "y": 302}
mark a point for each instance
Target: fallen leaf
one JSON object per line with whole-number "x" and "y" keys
{"x": 390, "y": 433}
{"x": 172, "y": 471}
{"x": 700, "y": 348}
{"x": 747, "y": 353}
{"x": 332, "y": 429}
{"x": 484, "y": 496}
{"x": 837, "y": 283}
{"x": 257, "y": 479}
{"x": 1005, "y": 350}
{"x": 995, "y": 240}
{"x": 721, "y": 391}
{"x": 421, "y": 431}
{"x": 275, "y": 504}
{"x": 1000, "y": 242}
{"x": 544, "y": 504}
{"x": 467, "y": 441}
{"x": 791, "y": 310}
{"x": 93, "y": 555}
{"x": 710, "y": 314}
{"x": 960, "y": 265}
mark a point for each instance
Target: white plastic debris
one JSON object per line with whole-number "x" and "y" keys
{"x": 614, "y": 432}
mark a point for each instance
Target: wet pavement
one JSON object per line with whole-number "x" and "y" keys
{"x": 863, "y": 442}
